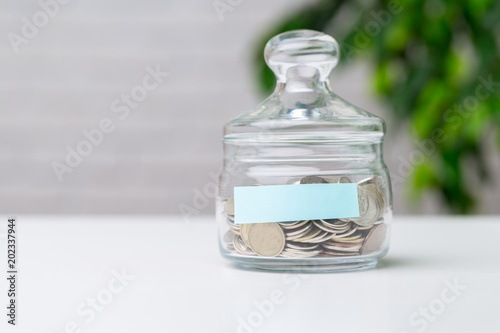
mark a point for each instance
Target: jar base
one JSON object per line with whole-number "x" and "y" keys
{"x": 308, "y": 265}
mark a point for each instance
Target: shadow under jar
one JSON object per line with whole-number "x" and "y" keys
{"x": 304, "y": 186}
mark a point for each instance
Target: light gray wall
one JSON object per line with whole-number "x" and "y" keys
{"x": 65, "y": 79}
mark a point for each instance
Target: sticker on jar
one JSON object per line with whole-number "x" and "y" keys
{"x": 285, "y": 203}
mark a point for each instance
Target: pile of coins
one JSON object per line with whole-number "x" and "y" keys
{"x": 315, "y": 238}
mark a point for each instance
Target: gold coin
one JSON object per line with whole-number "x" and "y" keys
{"x": 266, "y": 239}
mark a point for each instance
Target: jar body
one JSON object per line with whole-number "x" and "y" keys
{"x": 287, "y": 157}
{"x": 303, "y": 185}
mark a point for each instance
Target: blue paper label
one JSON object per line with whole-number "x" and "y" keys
{"x": 284, "y": 203}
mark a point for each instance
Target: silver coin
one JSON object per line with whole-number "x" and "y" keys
{"x": 313, "y": 180}
{"x": 313, "y": 233}
{"x": 301, "y": 246}
{"x": 291, "y": 235}
{"x": 229, "y": 206}
{"x": 354, "y": 237}
{"x": 235, "y": 228}
{"x": 365, "y": 228}
{"x": 344, "y": 179}
{"x": 320, "y": 238}
{"x": 244, "y": 229}
{"x": 300, "y": 254}
{"x": 374, "y": 180}
{"x": 334, "y": 222}
{"x": 374, "y": 239}
{"x": 365, "y": 181}
{"x": 346, "y": 234}
{"x": 235, "y": 232}
{"x": 292, "y": 225}
{"x": 363, "y": 201}
{"x": 339, "y": 226}
{"x": 324, "y": 227}
{"x": 331, "y": 253}
{"x": 342, "y": 226}
{"x": 241, "y": 247}
{"x": 228, "y": 237}
{"x": 369, "y": 209}
{"x": 339, "y": 248}
{"x": 266, "y": 239}
{"x": 382, "y": 200}
{"x": 347, "y": 241}
{"x": 376, "y": 184}
{"x": 335, "y": 233}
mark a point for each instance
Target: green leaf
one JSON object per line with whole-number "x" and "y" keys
{"x": 427, "y": 62}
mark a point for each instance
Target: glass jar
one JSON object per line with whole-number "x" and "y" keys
{"x": 304, "y": 186}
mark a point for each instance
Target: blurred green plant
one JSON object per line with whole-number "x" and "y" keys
{"x": 436, "y": 63}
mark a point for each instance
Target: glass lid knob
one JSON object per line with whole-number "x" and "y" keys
{"x": 304, "y": 48}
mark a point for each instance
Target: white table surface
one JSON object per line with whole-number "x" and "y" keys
{"x": 181, "y": 283}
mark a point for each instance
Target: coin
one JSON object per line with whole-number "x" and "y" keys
{"x": 313, "y": 180}
{"x": 312, "y": 234}
{"x": 229, "y": 206}
{"x": 228, "y": 237}
{"x": 296, "y": 233}
{"x": 352, "y": 242}
{"x": 241, "y": 247}
{"x": 344, "y": 179}
{"x": 333, "y": 226}
{"x": 315, "y": 238}
{"x": 379, "y": 197}
{"x": 369, "y": 209}
{"x": 342, "y": 248}
{"x": 348, "y": 233}
{"x": 266, "y": 239}
{"x": 366, "y": 180}
{"x": 365, "y": 228}
{"x": 330, "y": 253}
{"x": 235, "y": 228}
{"x": 244, "y": 229}
{"x": 300, "y": 254}
{"x": 293, "y": 225}
{"x": 375, "y": 180}
{"x": 382, "y": 201}
{"x": 349, "y": 239}
{"x": 374, "y": 239}
{"x": 320, "y": 238}
{"x": 322, "y": 227}
{"x": 301, "y": 246}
